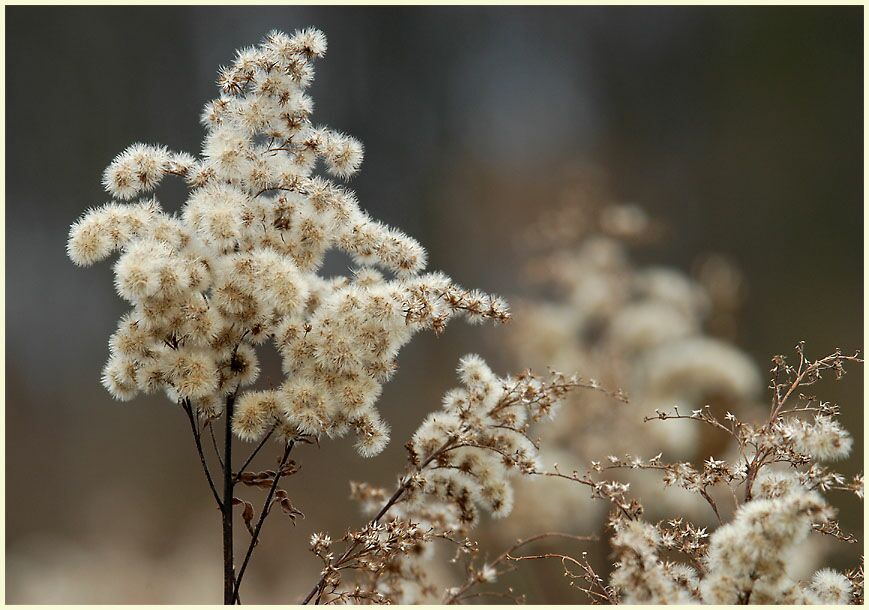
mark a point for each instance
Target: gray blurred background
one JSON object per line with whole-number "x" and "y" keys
{"x": 740, "y": 128}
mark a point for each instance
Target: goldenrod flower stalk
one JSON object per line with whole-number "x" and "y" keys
{"x": 238, "y": 266}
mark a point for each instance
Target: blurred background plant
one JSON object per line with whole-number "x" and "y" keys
{"x": 736, "y": 129}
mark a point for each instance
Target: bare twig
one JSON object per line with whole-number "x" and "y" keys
{"x": 188, "y": 409}
{"x": 262, "y": 517}
{"x": 254, "y": 453}
{"x": 405, "y": 483}
{"x": 210, "y": 425}
{"x": 462, "y": 592}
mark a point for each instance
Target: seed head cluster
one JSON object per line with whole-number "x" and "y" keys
{"x": 645, "y": 328}
{"x": 463, "y": 460}
{"x": 746, "y": 557}
{"x": 238, "y": 266}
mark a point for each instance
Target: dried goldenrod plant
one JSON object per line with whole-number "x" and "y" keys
{"x": 240, "y": 266}
{"x": 740, "y": 467}
{"x": 645, "y": 328}
{"x": 774, "y": 493}
{"x": 467, "y": 455}
{"x": 774, "y": 487}
{"x": 462, "y": 459}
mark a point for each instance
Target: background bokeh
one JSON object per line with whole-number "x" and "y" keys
{"x": 740, "y": 128}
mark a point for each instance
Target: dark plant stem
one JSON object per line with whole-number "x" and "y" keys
{"x": 197, "y": 439}
{"x": 228, "y": 483}
{"x": 262, "y": 518}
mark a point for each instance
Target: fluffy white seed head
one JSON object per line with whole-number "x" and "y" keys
{"x": 255, "y": 412}
{"x": 373, "y": 435}
{"x": 137, "y": 170}
{"x": 747, "y": 553}
{"x": 119, "y": 378}
{"x": 342, "y": 153}
{"x": 239, "y": 264}
{"x": 89, "y": 241}
{"x": 823, "y": 439}
{"x": 193, "y": 373}
{"x": 831, "y": 587}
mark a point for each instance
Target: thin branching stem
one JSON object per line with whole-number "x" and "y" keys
{"x": 264, "y": 512}
{"x": 214, "y": 442}
{"x": 403, "y": 486}
{"x": 254, "y": 453}
{"x": 197, "y": 439}
{"x": 462, "y": 592}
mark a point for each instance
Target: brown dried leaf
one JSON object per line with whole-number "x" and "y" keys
{"x": 287, "y": 506}
{"x": 246, "y": 514}
{"x": 262, "y": 479}
{"x": 289, "y": 469}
